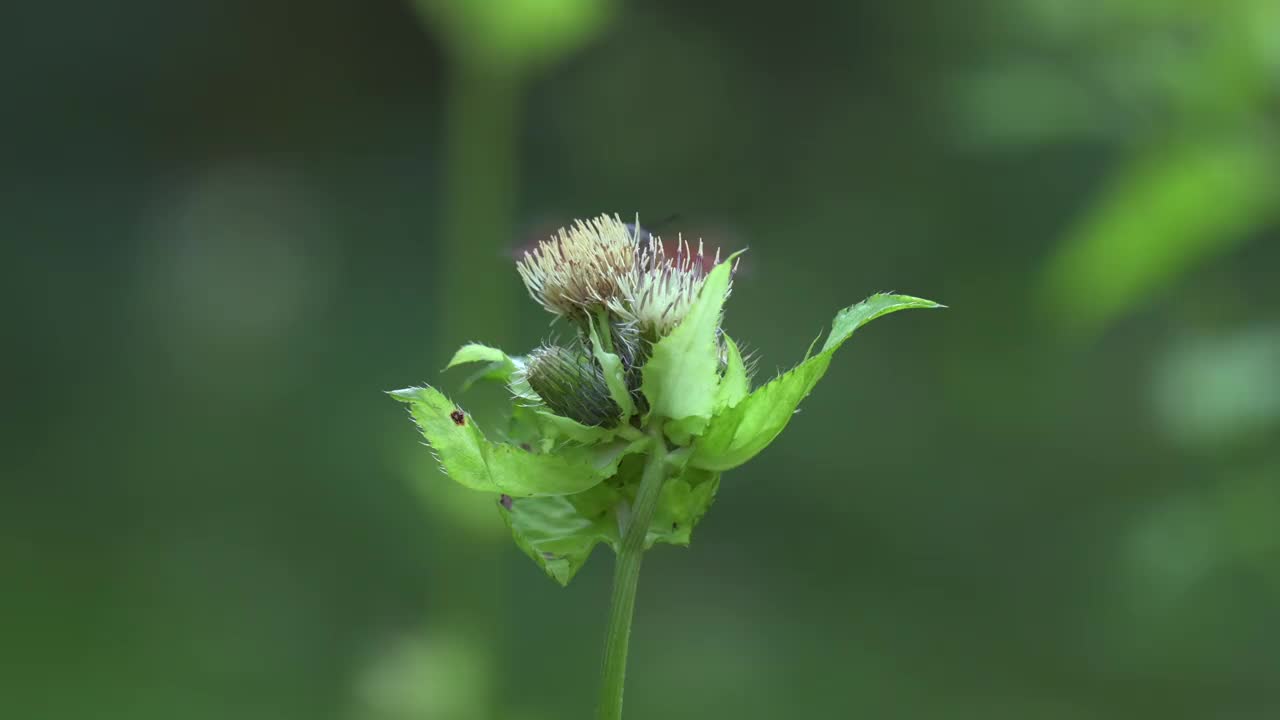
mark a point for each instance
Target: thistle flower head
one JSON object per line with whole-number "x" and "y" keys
{"x": 665, "y": 286}
{"x": 607, "y": 264}
{"x": 572, "y": 385}
{"x": 583, "y": 267}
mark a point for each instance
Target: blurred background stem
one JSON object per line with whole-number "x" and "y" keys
{"x": 495, "y": 49}
{"x": 478, "y": 202}
{"x": 477, "y": 208}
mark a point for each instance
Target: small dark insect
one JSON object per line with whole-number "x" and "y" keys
{"x": 675, "y": 526}
{"x": 526, "y": 447}
{"x": 458, "y": 418}
{"x": 549, "y": 555}
{"x": 505, "y": 500}
{"x": 639, "y": 232}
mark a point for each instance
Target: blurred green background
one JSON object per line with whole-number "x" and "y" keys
{"x": 228, "y": 226}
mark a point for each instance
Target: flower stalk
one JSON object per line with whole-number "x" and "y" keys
{"x": 626, "y": 578}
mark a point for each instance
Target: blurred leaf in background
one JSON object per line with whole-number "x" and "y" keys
{"x": 1184, "y": 93}
{"x": 1212, "y": 392}
{"x": 1158, "y": 218}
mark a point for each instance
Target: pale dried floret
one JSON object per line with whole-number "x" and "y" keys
{"x": 665, "y": 287}
{"x": 589, "y": 265}
{"x": 606, "y": 264}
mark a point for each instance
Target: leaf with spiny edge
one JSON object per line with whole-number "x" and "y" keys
{"x": 741, "y": 431}
{"x": 472, "y": 460}
{"x": 559, "y": 533}
{"x": 560, "y": 427}
{"x": 735, "y": 383}
{"x": 684, "y": 500}
{"x": 501, "y": 367}
{"x": 681, "y": 376}
{"x": 476, "y": 352}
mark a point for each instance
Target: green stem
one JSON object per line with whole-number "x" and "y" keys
{"x": 604, "y": 330}
{"x": 626, "y": 576}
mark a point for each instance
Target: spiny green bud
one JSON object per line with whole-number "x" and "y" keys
{"x": 572, "y": 385}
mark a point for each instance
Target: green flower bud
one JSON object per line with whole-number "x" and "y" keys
{"x": 572, "y": 385}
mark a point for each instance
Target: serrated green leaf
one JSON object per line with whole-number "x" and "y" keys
{"x": 682, "y": 374}
{"x": 604, "y": 457}
{"x": 878, "y": 305}
{"x": 734, "y": 384}
{"x": 685, "y": 499}
{"x": 614, "y": 374}
{"x": 500, "y": 367}
{"x": 475, "y": 352}
{"x": 561, "y": 427}
{"x": 473, "y": 461}
{"x": 559, "y": 533}
{"x": 525, "y": 430}
{"x": 737, "y": 434}
{"x": 492, "y": 371}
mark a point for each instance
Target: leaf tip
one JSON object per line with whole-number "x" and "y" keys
{"x": 408, "y": 394}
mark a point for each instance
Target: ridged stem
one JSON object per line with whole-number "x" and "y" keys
{"x": 626, "y": 577}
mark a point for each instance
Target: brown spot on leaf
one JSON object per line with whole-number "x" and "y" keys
{"x": 458, "y": 417}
